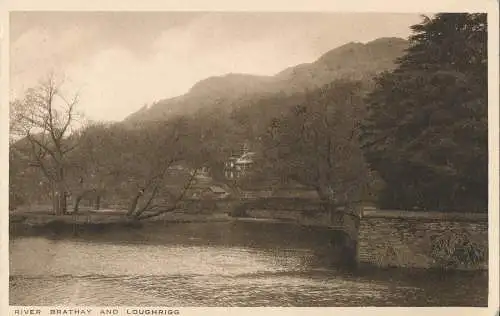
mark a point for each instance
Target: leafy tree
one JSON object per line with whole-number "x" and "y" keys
{"x": 316, "y": 144}
{"x": 426, "y": 131}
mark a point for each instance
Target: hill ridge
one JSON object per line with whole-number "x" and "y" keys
{"x": 353, "y": 60}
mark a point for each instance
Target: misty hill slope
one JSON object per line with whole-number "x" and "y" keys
{"x": 350, "y": 61}
{"x": 213, "y": 92}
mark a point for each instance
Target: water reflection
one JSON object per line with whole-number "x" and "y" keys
{"x": 223, "y": 264}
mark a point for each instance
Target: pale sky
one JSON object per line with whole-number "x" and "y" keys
{"x": 120, "y": 61}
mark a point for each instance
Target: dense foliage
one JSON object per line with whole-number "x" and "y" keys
{"x": 426, "y": 132}
{"x": 315, "y": 143}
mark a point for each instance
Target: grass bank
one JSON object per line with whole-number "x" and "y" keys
{"x": 21, "y": 222}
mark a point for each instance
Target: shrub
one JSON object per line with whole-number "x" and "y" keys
{"x": 455, "y": 248}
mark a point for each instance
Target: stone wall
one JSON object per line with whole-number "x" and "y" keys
{"x": 307, "y": 218}
{"x": 423, "y": 240}
{"x": 274, "y": 214}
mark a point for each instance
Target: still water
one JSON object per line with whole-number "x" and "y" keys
{"x": 216, "y": 264}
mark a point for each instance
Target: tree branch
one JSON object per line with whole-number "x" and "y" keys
{"x": 33, "y": 141}
{"x": 70, "y": 110}
{"x": 179, "y": 198}
{"x": 148, "y": 203}
{"x": 50, "y": 90}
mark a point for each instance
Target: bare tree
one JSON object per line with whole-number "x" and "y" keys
{"x": 46, "y": 118}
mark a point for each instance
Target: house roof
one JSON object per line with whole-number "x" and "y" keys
{"x": 217, "y": 189}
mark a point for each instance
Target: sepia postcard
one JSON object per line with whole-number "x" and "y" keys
{"x": 193, "y": 158}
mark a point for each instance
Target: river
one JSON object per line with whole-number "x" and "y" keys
{"x": 216, "y": 264}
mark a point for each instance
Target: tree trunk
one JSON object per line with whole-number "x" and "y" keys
{"x": 60, "y": 203}
{"x": 55, "y": 205}
{"x": 61, "y": 194}
{"x": 98, "y": 202}
{"x": 134, "y": 203}
{"x": 333, "y": 214}
{"x": 77, "y": 203}
{"x": 64, "y": 202}
{"x": 59, "y": 199}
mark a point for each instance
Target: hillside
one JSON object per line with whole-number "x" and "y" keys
{"x": 353, "y": 61}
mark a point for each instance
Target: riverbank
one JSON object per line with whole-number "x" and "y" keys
{"x": 111, "y": 217}
{"x": 107, "y": 217}
{"x": 43, "y": 223}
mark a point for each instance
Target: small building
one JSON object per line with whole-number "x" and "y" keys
{"x": 236, "y": 166}
{"x": 177, "y": 167}
{"x": 245, "y": 160}
{"x": 231, "y": 162}
{"x": 209, "y": 192}
{"x": 215, "y": 192}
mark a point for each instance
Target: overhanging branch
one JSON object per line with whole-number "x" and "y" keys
{"x": 179, "y": 198}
